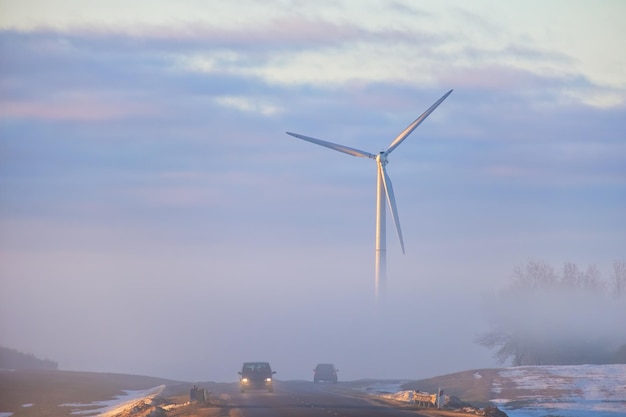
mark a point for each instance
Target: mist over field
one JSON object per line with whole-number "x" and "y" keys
{"x": 569, "y": 316}
{"x": 155, "y": 218}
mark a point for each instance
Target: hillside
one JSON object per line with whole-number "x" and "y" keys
{"x": 14, "y": 359}
{"x": 465, "y": 385}
{"x": 46, "y": 390}
{"x": 590, "y": 390}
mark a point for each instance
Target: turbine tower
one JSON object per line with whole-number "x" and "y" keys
{"x": 383, "y": 187}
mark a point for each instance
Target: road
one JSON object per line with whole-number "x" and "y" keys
{"x": 304, "y": 399}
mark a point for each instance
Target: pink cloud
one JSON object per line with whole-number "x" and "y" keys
{"x": 72, "y": 109}
{"x": 283, "y": 32}
{"x": 490, "y": 77}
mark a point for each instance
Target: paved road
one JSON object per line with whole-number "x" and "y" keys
{"x": 305, "y": 399}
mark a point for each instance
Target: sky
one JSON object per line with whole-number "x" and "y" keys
{"x": 155, "y": 218}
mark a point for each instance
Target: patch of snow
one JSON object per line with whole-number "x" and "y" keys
{"x": 28, "y": 405}
{"x": 566, "y": 391}
{"x": 118, "y": 404}
{"x": 477, "y": 375}
{"x": 170, "y": 407}
{"x": 496, "y": 387}
{"x": 411, "y": 396}
{"x": 406, "y": 396}
{"x": 3, "y": 414}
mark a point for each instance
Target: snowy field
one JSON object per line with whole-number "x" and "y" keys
{"x": 564, "y": 391}
{"x": 548, "y": 391}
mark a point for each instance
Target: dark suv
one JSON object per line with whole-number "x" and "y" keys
{"x": 256, "y": 375}
{"x": 325, "y": 372}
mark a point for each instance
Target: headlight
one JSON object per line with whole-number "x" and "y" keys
{"x": 244, "y": 380}
{"x": 268, "y": 379}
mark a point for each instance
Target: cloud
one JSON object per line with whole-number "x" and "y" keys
{"x": 76, "y": 109}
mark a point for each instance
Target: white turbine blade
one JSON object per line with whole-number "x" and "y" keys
{"x": 335, "y": 146}
{"x": 406, "y": 132}
{"x": 392, "y": 202}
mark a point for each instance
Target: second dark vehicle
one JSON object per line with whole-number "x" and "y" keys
{"x": 325, "y": 372}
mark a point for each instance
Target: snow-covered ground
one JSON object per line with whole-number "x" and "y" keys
{"x": 542, "y": 391}
{"x": 117, "y": 405}
{"x": 529, "y": 391}
{"x": 564, "y": 391}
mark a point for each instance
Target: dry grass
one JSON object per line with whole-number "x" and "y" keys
{"x": 197, "y": 410}
{"x": 464, "y": 385}
{"x": 47, "y": 390}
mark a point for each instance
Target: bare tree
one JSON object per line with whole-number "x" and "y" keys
{"x": 547, "y": 318}
{"x": 619, "y": 278}
{"x": 536, "y": 274}
{"x": 574, "y": 278}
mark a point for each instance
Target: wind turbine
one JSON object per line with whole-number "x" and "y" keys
{"x": 383, "y": 187}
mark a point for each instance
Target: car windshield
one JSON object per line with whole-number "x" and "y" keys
{"x": 260, "y": 367}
